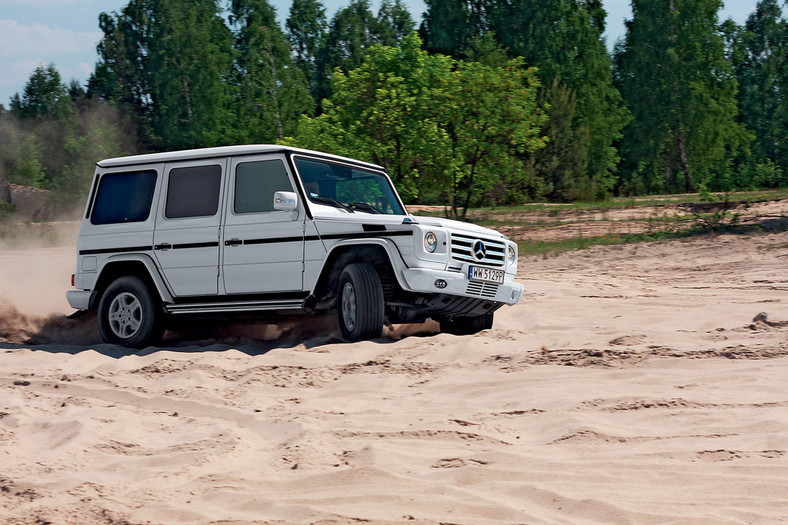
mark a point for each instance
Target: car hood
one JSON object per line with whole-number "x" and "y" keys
{"x": 458, "y": 226}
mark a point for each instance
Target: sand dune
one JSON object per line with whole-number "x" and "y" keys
{"x": 633, "y": 384}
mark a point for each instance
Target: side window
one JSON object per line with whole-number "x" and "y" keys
{"x": 124, "y": 197}
{"x": 256, "y": 183}
{"x": 193, "y": 192}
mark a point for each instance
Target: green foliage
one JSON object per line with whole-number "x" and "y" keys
{"x": 6, "y": 210}
{"x": 442, "y": 127}
{"x": 44, "y": 96}
{"x": 523, "y": 102}
{"x": 57, "y": 151}
{"x": 306, "y": 27}
{"x": 563, "y": 40}
{"x": 353, "y": 31}
{"x": 29, "y": 170}
{"x": 672, "y": 72}
{"x": 165, "y": 61}
{"x": 97, "y": 139}
{"x": 759, "y": 57}
{"x": 563, "y": 163}
{"x": 271, "y": 91}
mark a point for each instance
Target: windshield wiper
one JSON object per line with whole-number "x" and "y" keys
{"x": 363, "y": 206}
{"x": 328, "y": 200}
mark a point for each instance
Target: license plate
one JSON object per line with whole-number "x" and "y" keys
{"x": 488, "y": 275}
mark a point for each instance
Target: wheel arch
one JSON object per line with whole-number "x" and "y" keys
{"x": 377, "y": 252}
{"x": 137, "y": 265}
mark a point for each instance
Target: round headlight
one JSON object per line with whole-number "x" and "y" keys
{"x": 512, "y": 255}
{"x": 430, "y": 242}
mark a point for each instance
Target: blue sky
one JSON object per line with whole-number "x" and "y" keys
{"x": 65, "y": 32}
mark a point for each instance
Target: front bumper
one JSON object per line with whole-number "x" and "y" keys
{"x": 457, "y": 283}
{"x": 80, "y": 299}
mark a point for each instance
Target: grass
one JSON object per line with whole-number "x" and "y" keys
{"x": 698, "y": 229}
{"x": 629, "y": 202}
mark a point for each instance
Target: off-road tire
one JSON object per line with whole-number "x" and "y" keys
{"x": 467, "y": 325}
{"x": 128, "y": 314}
{"x": 360, "y": 302}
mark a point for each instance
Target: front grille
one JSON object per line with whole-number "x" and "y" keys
{"x": 464, "y": 247}
{"x": 482, "y": 289}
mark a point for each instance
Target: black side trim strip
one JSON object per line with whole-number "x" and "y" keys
{"x": 282, "y": 239}
{"x": 234, "y": 298}
{"x": 186, "y": 246}
{"x": 360, "y": 235}
{"x": 368, "y": 235}
{"x": 116, "y": 250}
{"x": 196, "y": 245}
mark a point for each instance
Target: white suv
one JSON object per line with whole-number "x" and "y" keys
{"x": 268, "y": 228}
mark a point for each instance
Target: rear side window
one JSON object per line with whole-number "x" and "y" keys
{"x": 124, "y": 197}
{"x": 256, "y": 183}
{"x": 193, "y": 192}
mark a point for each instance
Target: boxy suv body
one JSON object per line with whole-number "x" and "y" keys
{"x": 272, "y": 229}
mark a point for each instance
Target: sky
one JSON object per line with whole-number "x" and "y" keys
{"x": 65, "y": 33}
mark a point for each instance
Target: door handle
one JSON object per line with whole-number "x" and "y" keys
{"x": 233, "y": 242}
{"x": 163, "y": 246}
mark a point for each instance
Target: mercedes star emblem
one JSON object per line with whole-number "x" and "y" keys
{"x": 479, "y": 250}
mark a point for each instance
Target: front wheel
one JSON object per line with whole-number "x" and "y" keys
{"x": 127, "y": 314}
{"x": 467, "y": 325}
{"x": 360, "y": 302}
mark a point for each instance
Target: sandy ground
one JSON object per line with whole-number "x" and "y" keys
{"x": 631, "y": 385}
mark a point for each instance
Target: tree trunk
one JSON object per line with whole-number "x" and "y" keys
{"x": 688, "y": 186}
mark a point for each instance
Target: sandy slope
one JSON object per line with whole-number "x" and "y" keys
{"x": 630, "y": 386}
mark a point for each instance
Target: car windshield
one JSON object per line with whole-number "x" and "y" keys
{"x": 348, "y": 187}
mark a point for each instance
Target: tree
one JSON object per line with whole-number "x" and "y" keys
{"x": 563, "y": 40}
{"x": 443, "y": 128}
{"x": 394, "y": 23}
{"x": 307, "y": 26}
{"x": 350, "y": 34}
{"x": 563, "y": 162}
{"x": 44, "y": 96}
{"x": 672, "y": 73}
{"x": 271, "y": 90}
{"x": 760, "y": 57}
{"x": 166, "y": 61}
{"x": 492, "y": 119}
{"x": 30, "y": 170}
{"x": 96, "y": 136}
{"x": 450, "y": 26}
{"x": 353, "y": 30}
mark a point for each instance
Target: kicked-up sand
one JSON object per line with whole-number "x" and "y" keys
{"x": 636, "y": 384}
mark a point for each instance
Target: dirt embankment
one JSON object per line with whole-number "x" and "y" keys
{"x": 555, "y": 222}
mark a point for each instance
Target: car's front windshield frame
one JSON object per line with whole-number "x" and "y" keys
{"x": 321, "y": 181}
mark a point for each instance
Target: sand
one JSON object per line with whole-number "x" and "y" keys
{"x": 632, "y": 384}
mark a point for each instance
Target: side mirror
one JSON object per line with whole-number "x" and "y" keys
{"x": 285, "y": 201}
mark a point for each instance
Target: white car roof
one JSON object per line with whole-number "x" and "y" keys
{"x": 223, "y": 151}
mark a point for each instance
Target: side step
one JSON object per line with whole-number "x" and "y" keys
{"x": 234, "y": 306}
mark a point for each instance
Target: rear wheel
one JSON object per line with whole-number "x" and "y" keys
{"x": 128, "y": 315}
{"x": 467, "y": 325}
{"x": 360, "y": 304}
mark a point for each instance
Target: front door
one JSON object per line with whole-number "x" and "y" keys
{"x": 262, "y": 248}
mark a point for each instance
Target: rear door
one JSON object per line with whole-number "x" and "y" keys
{"x": 262, "y": 248}
{"x": 186, "y": 239}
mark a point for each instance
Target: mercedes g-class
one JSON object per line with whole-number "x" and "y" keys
{"x": 265, "y": 228}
